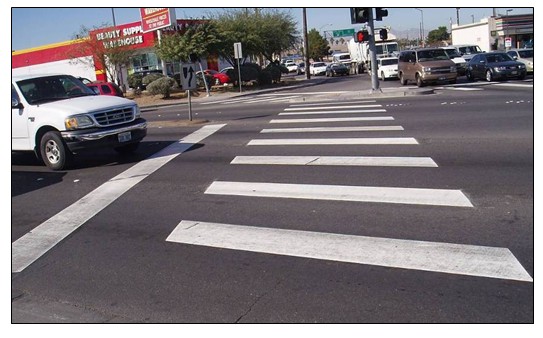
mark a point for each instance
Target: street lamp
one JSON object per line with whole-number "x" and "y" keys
{"x": 324, "y": 32}
{"x": 422, "y": 25}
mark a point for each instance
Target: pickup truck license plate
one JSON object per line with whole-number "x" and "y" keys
{"x": 124, "y": 137}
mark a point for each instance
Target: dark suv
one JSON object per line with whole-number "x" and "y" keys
{"x": 426, "y": 65}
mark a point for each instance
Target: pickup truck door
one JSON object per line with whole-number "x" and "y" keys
{"x": 19, "y": 124}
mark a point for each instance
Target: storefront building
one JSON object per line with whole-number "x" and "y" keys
{"x": 76, "y": 58}
{"x": 497, "y": 33}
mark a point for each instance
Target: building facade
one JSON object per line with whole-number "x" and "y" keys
{"x": 497, "y": 33}
{"x": 74, "y": 57}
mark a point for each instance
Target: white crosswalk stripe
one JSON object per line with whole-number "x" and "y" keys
{"x": 334, "y": 119}
{"x": 471, "y": 260}
{"x": 382, "y": 161}
{"x": 330, "y": 129}
{"x": 332, "y": 141}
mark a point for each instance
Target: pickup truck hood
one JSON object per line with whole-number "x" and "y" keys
{"x": 88, "y": 104}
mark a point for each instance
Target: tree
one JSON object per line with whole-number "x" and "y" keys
{"x": 107, "y": 54}
{"x": 438, "y": 35}
{"x": 318, "y": 46}
{"x": 266, "y": 32}
{"x": 199, "y": 39}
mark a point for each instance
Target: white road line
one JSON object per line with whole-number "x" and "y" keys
{"x": 45, "y": 236}
{"x": 459, "y": 88}
{"x": 334, "y": 141}
{"x": 335, "y": 107}
{"x": 337, "y": 160}
{"x": 438, "y": 197}
{"x": 337, "y": 112}
{"x": 460, "y": 259}
{"x": 270, "y": 99}
{"x": 330, "y": 129}
{"x": 521, "y": 85}
{"x": 334, "y": 119}
{"x": 327, "y": 103}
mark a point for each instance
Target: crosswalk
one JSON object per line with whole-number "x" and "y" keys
{"x": 407, "y": 254}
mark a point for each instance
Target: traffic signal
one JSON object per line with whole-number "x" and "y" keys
{"x": 362, "y": 36}
{"x": 360, "y": 15}
{"x": 383, "y": 34}
{"x": 380, "y": 14}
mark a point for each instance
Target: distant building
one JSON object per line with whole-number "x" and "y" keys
{"x": 493, "y": 33}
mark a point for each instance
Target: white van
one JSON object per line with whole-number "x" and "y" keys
{"x": 56, "y": 115}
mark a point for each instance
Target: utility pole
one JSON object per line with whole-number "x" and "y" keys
{"x": 306, "y": 44}
{"x": 458, "y": 16}
{"x": 373, "y": 55}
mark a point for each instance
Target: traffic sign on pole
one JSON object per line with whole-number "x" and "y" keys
{"x": 188, "y": 76}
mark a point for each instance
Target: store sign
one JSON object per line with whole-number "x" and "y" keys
{"x": 156, "y": 18}
{"x": 117, "y": 36}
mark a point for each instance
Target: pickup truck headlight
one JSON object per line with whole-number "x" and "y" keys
{"x": 78, "y": 122}
{"x": 427, "y": 69}
{"x": 137, "y": 111}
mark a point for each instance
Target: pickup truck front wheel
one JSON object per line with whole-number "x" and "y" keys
{"x": 53, "y": 151}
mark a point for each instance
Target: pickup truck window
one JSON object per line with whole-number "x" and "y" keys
{"x": 52, "y": 88}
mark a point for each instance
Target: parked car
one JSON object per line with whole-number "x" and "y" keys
{"x": 387, "y": 68}
{"x": 493, "y": 66}
{"x": 456, "y": 57}
{"x": 291, "y": 66}
{"x": 525, "y": 55}
{"x": 425, "y": 65}
{"x": 218, "y": 77}
{"x": 57, "y": 115}
{"x": 467, "y": 51}
{"x": 106, "y": 88}
{"x": 317, "y": 68}
{"x": 337, "y": 68}
{"x": 301, "y": 68}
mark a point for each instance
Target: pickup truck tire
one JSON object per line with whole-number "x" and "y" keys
{"x": 127, "y": 149}
{"x": 53, "y": 151}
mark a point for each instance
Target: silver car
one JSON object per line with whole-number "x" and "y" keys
{"x": 525, "y": 55}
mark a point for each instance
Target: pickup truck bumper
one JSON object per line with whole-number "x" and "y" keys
{"x": 110, "y": 137}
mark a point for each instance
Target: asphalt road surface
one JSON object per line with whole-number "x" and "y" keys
{"x": 302, "y": 206}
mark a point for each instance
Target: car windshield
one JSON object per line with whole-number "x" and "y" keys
{"x": 470, "y": 50}
{"x": 388, "y": 62}
{"x": 526, "y": 53}
{"x": 452, "y": 53}
{"x": 344, "y": 57}
{"x": 498, "y": 57}
{"x": 52, "y": 88}
{"x": 432, "y": 55}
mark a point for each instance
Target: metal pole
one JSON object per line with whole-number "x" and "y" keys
{"x": 205, "y": 80}
{"x": 306, "y": 44}
{"x": 190, "y": 105}
{"x": 239, "y": 76}
{"x": 373, "y": 56}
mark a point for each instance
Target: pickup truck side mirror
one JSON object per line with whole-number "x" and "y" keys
{"x": 15, "y": 104}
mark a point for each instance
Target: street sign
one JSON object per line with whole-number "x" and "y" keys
{"x": 508, "y": 42}
{"x": 188, "y": 76}
{"x": 343, "y": 32}
{"x": 156, "y": 18}
{"x": 237, "y": 51}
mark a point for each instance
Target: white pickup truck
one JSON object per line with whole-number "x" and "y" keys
{"x": 56, "y": 116}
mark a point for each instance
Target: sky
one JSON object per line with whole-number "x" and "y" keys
{"x": 33, "y": 27}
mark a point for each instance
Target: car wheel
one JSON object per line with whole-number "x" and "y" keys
{"x": 127, "y": 149}
{"x": 420, "y": 83}
{"x": 521, "y": 77}
{"x": 489, "y": 77}
{"x": 403, "y": 81}
{"x": 53, "y": 151}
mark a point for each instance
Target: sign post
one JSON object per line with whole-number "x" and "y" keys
{"x": 238, "y": 55}
{"x": 188, "y": 81}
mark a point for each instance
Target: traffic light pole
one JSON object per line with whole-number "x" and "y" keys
{"x": 373, "y": 55}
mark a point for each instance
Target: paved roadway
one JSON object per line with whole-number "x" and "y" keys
{"x": 373, "y": 210}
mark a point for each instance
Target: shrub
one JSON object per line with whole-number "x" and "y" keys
{"x": 163, "y": 85}
{"x": 275, "y": 71}
{"x": 147, "y": 79}
{"x": 135, "y": 80}
{"x": 265, "y": 77}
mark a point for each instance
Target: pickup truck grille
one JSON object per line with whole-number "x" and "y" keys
{"x": 114, "y": 117}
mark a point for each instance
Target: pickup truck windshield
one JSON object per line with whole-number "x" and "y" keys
{"x": 52, "y": 88}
